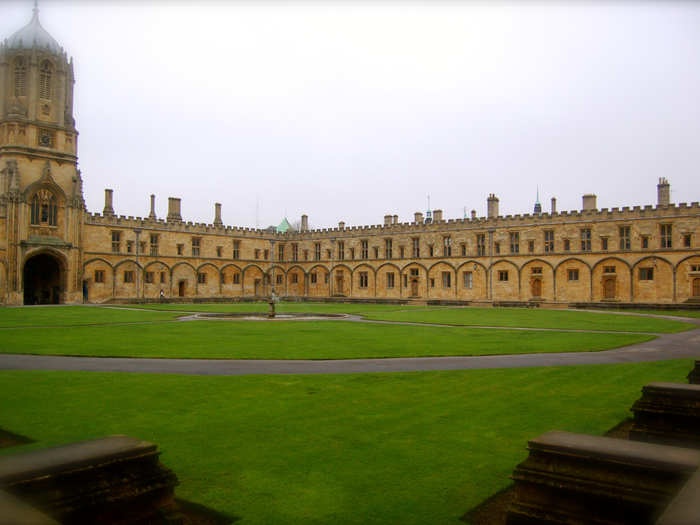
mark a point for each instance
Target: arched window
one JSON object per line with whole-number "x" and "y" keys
{"x": 20, "y": 77}
{"x": 44, "y": 209}
{"x": 45, "y": 80}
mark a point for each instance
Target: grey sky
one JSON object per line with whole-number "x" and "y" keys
{"x": 348, "y": 111}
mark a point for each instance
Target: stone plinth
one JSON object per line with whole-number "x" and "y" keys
{"x": 16, "y": 512}
{"x": 694, "y": 375}
{"x": 115, "y": 479}
{"x": 576, "y": 478}
{"x": 669, "y": 414}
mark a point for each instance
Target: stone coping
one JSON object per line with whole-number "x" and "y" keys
{"x": 684, "y": 509}
{"x": 634, "y": 453}
{"x": 675, "y": 389}
{"x": 65, "y": 458}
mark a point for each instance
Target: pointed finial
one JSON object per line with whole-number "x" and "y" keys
{"x": 36, "y": 8}
{"x": 538, "y": 194}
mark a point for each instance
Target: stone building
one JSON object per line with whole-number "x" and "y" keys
{"x": 52, "y": 250}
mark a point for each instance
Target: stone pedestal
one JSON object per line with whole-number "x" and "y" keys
{"x": 694, "y": 375}
{"x": 669, "y": 414}
{"x": 16, "y": 512}
{"x": 685, "y": 507}
{"x": 111, "y": 480}
{"x": 575, "y": 478}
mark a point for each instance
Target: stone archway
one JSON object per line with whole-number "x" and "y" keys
{"x": 43, "y": 280}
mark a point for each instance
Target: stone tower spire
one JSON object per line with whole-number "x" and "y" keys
{"x": 538, "y": 206}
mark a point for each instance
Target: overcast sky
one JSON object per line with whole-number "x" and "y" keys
{"x": 348, "y": 111}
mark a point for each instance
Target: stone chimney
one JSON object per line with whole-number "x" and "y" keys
{"x": 589, "y": 202}
{"x": 387, "y": 220}
{"x": 152, "y": 214}
{"x": 554, "y": 205}
{"x": 437, "y": 215}
{"x": 418, "y": 217}
{"x": 396, "y": 219}
{"x": 108, "y": 211}
{"x": 663, "y": 192}
{"x": 304, "y": 223}
{"x": 217, "y": 215}
{"x": 174, "y": 209}
{"x": 341, "y": 225}
{"x": 473, "y": 215}
{"x": 492, "y": 206}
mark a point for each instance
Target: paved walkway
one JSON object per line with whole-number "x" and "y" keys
{"x": 667, "y": 346}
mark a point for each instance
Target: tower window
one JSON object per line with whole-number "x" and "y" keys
{"x": 45, "y": 75}
{"x": 44, "y": 209}
{"x": 20, "y": 77}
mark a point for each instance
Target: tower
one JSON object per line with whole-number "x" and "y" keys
{"x": 41, "y": 201}
{"x": 538, "y": 207}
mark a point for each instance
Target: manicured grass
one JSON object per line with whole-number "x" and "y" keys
{"x": 74, "y": 315}
{"x": 411, "y": 448}
{"x": 297, "y": 340}
{"x": 535, "y": 318}
{"x": 678, "y": 313}
{"x": 347, "y": 308}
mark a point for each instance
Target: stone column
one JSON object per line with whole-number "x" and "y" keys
{"x": 108, "y": 209}
{"x": 217, "y": 214}
{"x": 152, "y": 214}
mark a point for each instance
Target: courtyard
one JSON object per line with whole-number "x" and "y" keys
{"x": 412, "y": 447}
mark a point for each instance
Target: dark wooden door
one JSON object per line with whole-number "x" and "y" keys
{"x": 609, "y": 289}
{"x": 537, "y": 288}
{"x": 696, "y": 287}
{"x": 181, "y": 289}
{"x": 414, "y": 288}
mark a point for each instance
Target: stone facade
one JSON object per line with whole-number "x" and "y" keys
{"x": 53, "y": 250}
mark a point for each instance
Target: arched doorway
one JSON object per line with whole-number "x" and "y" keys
{"x": 42, "y": 280}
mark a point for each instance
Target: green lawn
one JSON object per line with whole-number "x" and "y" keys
{"x": 677, "y": 313}
{"x": 296, "y": 340}
{"x": 75, "y": 315}
{"x": 302, "y": 307}
{"x": 411, "y": 448}
{"x": 535, "y": 318}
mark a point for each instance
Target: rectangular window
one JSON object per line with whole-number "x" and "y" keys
{"x": 279, "y": 279}
{"x": 687, "y": 241}
{"x": 537, "y": 270}
{"x": 666, "y": 236}
{"x": 306, "y": 255}
{"x": 154, "y": 244}
{"x": 364, "y": 250}
{"x": 446, "y": 279}
{"x": 548, "y": 241}
{"x": 128, "y": 276}
{"x": 364, "y": 279}
{"x": 180, "y": 249}
{"x": 586, "y": 240}
{"x": 352, "y": 253}
{"x": 196, "y": 244}
{"x": 447, "y": 246}
{"x": 341, "y": 250}
{"x": 468, "y": 280}
{"x": 219, "y": 251}
{"x": 388, "y": 250}
{"x": 481, "y": 244}
{"x": 502, "y": 275}
{"x": 514, "y": 242}
{"x": 142, "y": 247}
{"x": 402, "y": 252}
{"x": 116, "y": 241}
{"x": 326, "y": 277}
{"x": 646, "y": 274}
{"x": 99, "y": 276}
{"x": 390, "y": 280}
{"x": 201, "y": 278}
{"x": 624, "y": 237}
{"x": 463, "y": 248}
{"x": 313, "y": 277}
{"x": 280, "y": 252}
{"x": 317, "y": 251}
{"x": 375, "y": 249}
{"x": 432, "y": 282}
{"x": 567, "y": 245}
{"x": 572, "y": 274}
{"x": 497, "y": 247}
{"x": 236, "y": 278}
{"x": 266, "y": 254}
{"x": 604, "y": 243}
{"x": 236, "y": 250}
{"x": 416, "y": 247}
{"x": 295, "y": 278}
{"x": 129, "y": 246}
{"x": 695, "y": 268}
{"x": 162, "y": 277}
{"x": 609, "y": 269}
{"x": 531, "y": 246}
{"x": 645, "y": 242}
{"x": 430, "y": 250}
{"x": 328, "y": 255}
{"x": 414, "y": 272}
{"x": 295, "y": 252}
{"x": 405, "y": 281}
{"x": 148, "y": 278}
